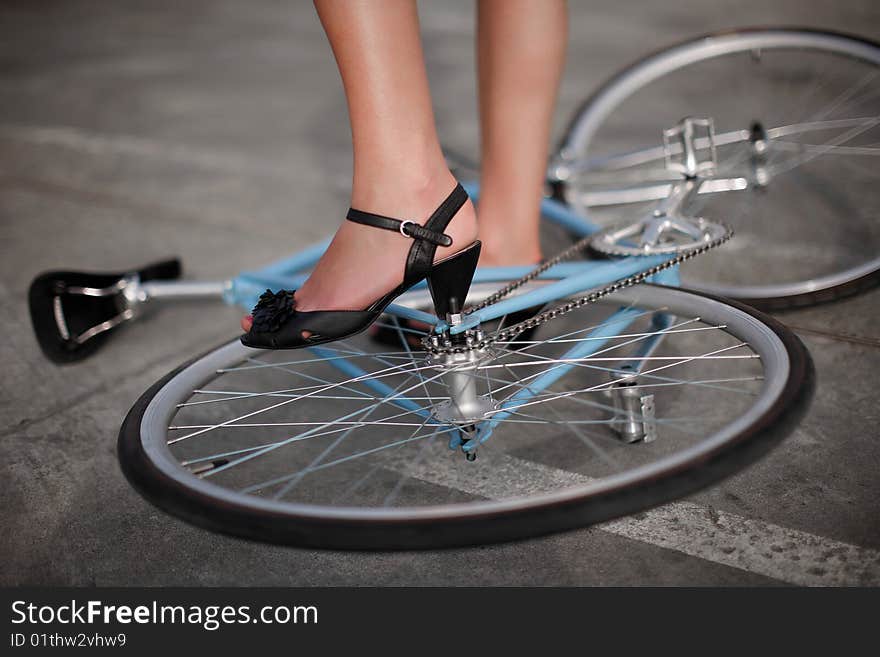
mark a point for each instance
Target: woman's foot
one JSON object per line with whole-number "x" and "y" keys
{"x": 530, "y": 258}
{"x": 508, "y": 225}
{"x": 507, "y": 249}
{"x": 361, "y": 264}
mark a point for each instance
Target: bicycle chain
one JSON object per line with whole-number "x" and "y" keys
{"x": 542, "y": 318}
{"x": 537, "y": 271}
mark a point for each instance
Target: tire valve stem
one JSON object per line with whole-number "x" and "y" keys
{"x": 201, "y": 468}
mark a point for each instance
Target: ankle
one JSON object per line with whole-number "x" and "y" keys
{"x": 508, "y": 246}
{"x": 415, "y": 196}
{"x": 402, "y": 193}
{"x": 509, "y": 234}
{"x": 503, "y": 253}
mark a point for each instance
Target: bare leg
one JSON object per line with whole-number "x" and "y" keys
{"x": 399, "y": 170}
{"x": 520, "y": 54}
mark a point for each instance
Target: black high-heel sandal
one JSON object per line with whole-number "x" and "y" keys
{"x": 278, "y": 325}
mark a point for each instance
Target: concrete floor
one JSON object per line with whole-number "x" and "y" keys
{"x": 132, "y": 131}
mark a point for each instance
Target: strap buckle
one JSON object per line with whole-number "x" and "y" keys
{"x": 402, "y": 227}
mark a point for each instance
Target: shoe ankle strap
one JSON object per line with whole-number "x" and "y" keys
{"x": 408, "y": 228}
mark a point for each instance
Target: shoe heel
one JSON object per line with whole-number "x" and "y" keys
{"x": 450, "y": 279}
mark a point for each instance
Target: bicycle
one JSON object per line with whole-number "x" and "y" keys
{"x": 797, "y": 117}
{"x": 617, "y": 408}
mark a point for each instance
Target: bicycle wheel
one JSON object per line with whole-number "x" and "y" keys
{"x": 348, "y": 445}
{"x": 797, "y": 133}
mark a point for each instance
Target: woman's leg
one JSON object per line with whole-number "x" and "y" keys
{"x": 399, "y": 170}
{"x": 520, "y": 57}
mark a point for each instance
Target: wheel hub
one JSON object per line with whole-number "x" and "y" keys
{"x": 464, "y": 406}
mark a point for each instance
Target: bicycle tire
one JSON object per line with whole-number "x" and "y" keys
{"x": 142, "y": 443}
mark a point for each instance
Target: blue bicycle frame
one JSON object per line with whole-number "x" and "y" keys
{"x": 569, "y": 278}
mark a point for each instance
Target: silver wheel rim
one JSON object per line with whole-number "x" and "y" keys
{"x": 608, "y": 99}
{"x": 162, "y": 407}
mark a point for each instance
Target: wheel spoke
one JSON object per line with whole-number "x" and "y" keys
{"x": 344, "y": 459}
{"x": 605, "y": 386}
{"x": 381, "y": 374}
{"x": 298, "y": 437}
